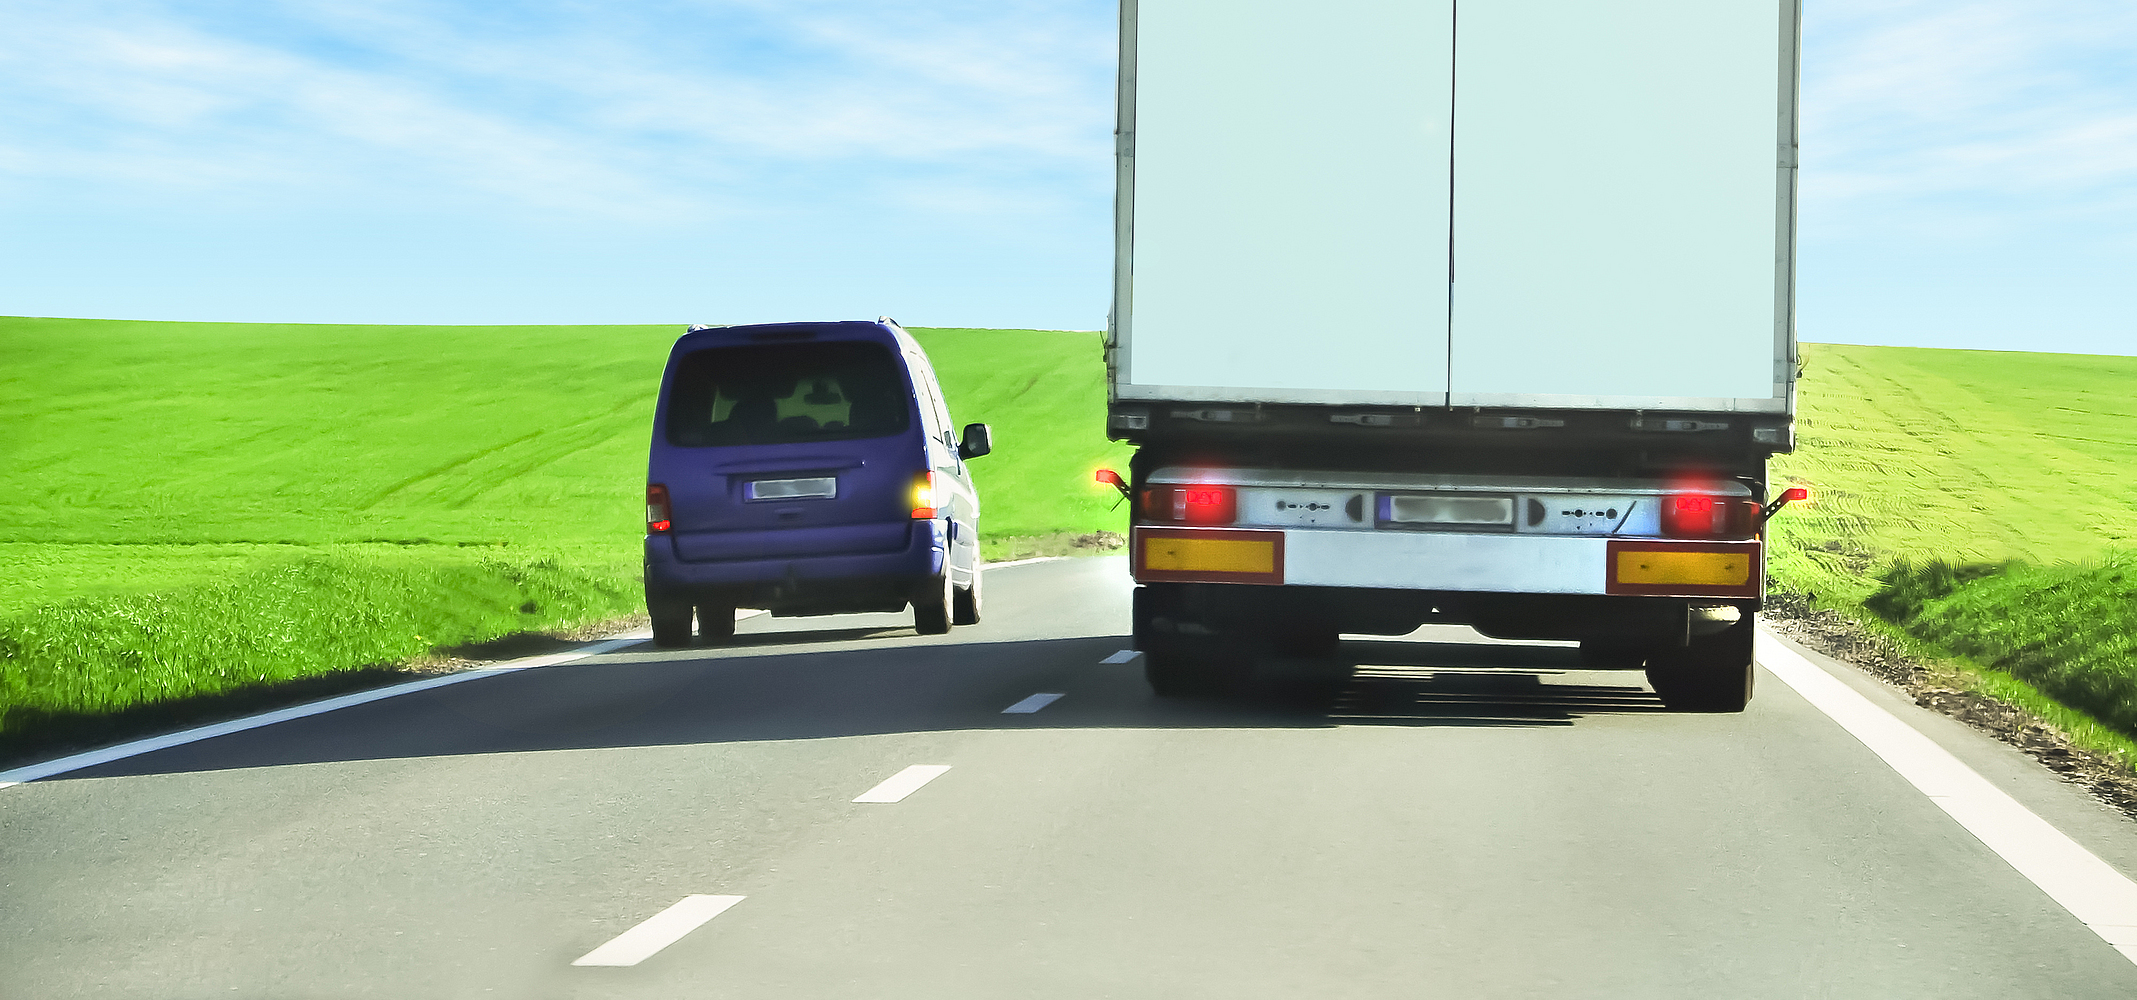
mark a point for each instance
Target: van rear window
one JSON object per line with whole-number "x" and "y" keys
{"x": 787, "y": 394}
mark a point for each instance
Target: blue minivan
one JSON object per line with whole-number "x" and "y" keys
{"x": 807, "y": 469}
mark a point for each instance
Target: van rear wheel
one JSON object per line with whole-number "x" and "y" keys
{"x": 671, "y": 622}
{"x": 964, "y": 604}
{"x": 715, "y": 622}
{"x": 931, "y": 607}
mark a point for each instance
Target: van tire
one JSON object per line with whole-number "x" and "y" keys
{"x": 715, "y": 623}
{"x": 1712, "y": 674}
{"x": 931, "y": 607}
{"x": 671, "y": 623}
{"x": 964, "y": 604}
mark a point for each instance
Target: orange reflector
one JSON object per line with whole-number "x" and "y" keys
{"x": 1208, "y": 555}
{"x": 1713, "y": 569}
{"x": 1709, "y": 569}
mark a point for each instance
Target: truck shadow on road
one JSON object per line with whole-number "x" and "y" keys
{"x": 780, "y": 687}
{"x": 1446, "y": 684}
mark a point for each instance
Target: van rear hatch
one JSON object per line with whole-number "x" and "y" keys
{"x": 797, "y": 447}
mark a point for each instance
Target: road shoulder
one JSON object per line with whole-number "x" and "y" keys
{"x": 2094, "y": 824}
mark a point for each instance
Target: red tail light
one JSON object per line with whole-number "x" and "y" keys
{"x": 1693, "y": 515}
{"x": 924, "y": 500}
{"x": 659, "y": 513}
{"x": 1192, "y": 504}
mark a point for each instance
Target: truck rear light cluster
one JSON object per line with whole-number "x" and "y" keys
{"x": 1695, "y": 515}
{"x": 659, "y": 513}
{"x": 1195, "y": 504}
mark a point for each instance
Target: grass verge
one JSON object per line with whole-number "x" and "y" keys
{"x": 344, "y": 610}
{"x": 196, "y": 516}
{"x": 1965, "y": 504}
{"x": 2066, "y": 631}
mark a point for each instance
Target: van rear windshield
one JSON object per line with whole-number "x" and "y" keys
{"x": 787, "y": 394}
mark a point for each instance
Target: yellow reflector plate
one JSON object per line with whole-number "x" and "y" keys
{"x": 1712, "y": 569}
{"x": 1209, "y": 555}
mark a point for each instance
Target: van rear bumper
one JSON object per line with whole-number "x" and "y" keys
{"x": 803, "y": 584}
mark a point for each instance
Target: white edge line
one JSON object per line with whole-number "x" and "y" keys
{"x": 91, "y": 758}
{"x": 1031, "y": 704}
{"x": 1021, "y": 562}
{"x": 896, "y": 787}
{"x": 1123, "y": 656}
{"x": 659, "y": 931}
{"x": 2094, "y": 892}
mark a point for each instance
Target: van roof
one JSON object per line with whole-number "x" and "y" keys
{"x": 879, "y": 331}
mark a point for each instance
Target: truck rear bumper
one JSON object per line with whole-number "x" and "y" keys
{"x": 1230, "y": 609}
{"x": 1454, "y": 562}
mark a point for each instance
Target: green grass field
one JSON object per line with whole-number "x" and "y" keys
{"x": 189, "y": 510}
{"x": 1966, "y": 456}
{"x": 158, "y": 478}
{"x": 1923, "y": 462}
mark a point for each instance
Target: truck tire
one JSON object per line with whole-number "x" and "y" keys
{"x": 1713, "y": 674}
{"x": 964, "y": 604}
{"x": 1175, "y": 671}
{"x": 1613, "y": 654}
{"x": 671, "y": 622}
{"x": 931, "y": 607}
{"x": 715, "y": 623}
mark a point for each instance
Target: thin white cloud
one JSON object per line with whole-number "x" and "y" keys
{"x": 1988, "y": 118}
{"x": 162, "y": 105}
{"x": 605, "y": 110}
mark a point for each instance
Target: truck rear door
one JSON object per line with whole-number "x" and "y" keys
{"x": 1288, "y": 170}
{"x": 1623, "y": 179}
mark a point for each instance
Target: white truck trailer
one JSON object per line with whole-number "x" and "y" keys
{"x": 1473, "y": 312}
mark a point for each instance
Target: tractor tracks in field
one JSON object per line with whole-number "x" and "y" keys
{"x": 567, "y": 439}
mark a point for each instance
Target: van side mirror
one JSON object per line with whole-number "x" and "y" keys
{"x": 977, "y": 441}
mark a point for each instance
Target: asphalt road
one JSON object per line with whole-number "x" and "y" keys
{"x": 1463, "y": 819}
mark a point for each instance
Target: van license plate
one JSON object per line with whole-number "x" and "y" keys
{"x": 790, "y": 489}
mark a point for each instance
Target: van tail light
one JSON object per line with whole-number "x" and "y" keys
{"x": 1196, "y": 504}
{"x": 924, "y": 500}
{"x": 1698, "y": 515}
{"x": 659, "y": 513}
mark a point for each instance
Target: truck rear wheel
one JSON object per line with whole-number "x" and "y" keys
{"x": 1178, "y": 672}
{"x": 1713, "y": 674}
{"x": 1613, "y": 654}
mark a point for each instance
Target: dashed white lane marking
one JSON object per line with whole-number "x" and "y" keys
{"x": 2074, "y": 877}
{"x": 659, "y": 931}
{"x": 903, "y": 783}
{"x": 92, "y": 758}
{"x": 1031, "y": 704}
{"x": 1121, "y": 657}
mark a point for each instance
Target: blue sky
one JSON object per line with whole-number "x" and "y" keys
{"x": 1970, "y": 168}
